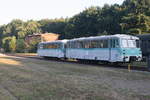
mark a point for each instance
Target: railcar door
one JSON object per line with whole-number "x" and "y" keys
{"x": 113, "y": 51}
{"x": 64, "y": 49}
{"x": 105, "y": 49}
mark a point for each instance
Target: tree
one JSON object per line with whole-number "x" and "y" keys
{"x": 110, "y": 19}
{"x": 1, "y": 34}
{"x": 136, "y": 6}
{"x": 53, "y": 26}
{"x": 5, "y": 44}
{"x": 20, "y": 46}
{"x": 9, "y": 44}
{"x": 132, "y": 17}
{"x": 136, "y": 19}
{"x": 32, "y": 47}
{"x": 95, "y": 20}
{"x": 12, "y": 28}
{"x": 31, "y": 27}
{"x": 84, "y": 24}
{"x": 12, "y": 44}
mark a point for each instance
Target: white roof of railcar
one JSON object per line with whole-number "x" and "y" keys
{"x": 106, "y": 37}
{"x": 57, "y": 41}
{"x": 123, "y": 36}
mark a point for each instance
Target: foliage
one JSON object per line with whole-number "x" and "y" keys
{"x": 20, "y": 46}
{"x": 136, "y": 24}
{"x": 136, "y": 20}
{"x": 32, "y": 47}
{"x": 32, "y": 27}
{"x": 12, "y": 44}
{"x": 9, "y": 44}
{"x": 5, "y": 44}
{"x": 53, "y": 26}
{"x": 132, "y": 17}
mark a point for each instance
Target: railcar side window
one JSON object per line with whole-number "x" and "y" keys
{"x": 101, "y": 44}
{"x": 105, "y": 43}
{"x": 111, "y": 43}
{"x": 82, "y": 44}
{"x": 114, "y": 43}
{"x": 117, "y": 43}
{"x": 87, "y": 44}
{"x": 44, "y": 46}
{"x": 52, "y": 46}
{"x": 94, "y": 44}
{"x": 79, "y": 44}
{"x": 75, "y": 45}
{"x": 68, "y": 45}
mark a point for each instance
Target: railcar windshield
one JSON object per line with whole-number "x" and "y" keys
{"x": 40, "y": 46}
{"x": 130, "y": 43}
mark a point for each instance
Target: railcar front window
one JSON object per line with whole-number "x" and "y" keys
{"x": 40, "y": 46}
{"x": 129, "y": 43}
{"x": 132, "y": 43}
{"x": 124, "y": 43}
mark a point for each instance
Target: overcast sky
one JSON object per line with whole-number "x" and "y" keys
{"x": 41, "y": 9}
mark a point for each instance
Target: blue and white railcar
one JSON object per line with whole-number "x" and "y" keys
{"x": 52, "y": 49}
{"x": 111, "y": 48}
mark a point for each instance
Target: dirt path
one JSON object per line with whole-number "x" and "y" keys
{"x": 33, "y": 79}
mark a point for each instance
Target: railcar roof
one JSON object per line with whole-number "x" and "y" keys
{"x": 107, "y": 36}
{"x": 95, "y": 37}
{"x": 57, "y": 41}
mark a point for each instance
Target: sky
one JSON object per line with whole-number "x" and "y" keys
{"x": 43, "y": 9}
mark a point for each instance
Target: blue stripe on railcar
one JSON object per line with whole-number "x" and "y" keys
{"x": 115, "y": 54}
{"x": 130, "y": 51}
{"x": 127, "y": 51}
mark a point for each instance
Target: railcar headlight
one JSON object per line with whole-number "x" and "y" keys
{"x": 125, "y": 58}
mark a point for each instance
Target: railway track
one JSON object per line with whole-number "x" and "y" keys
{"x": 109, "y": 65}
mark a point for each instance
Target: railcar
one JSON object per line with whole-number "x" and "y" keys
{"x": 145, "y": 47}
{"x": 145, "y": 44}
{"x": 52, "y": 49}
{"x": 110, "y": 48}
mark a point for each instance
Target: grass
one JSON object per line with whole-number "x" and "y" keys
{"x": 33, "y": 79}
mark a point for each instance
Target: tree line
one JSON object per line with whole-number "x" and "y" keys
{"x": 131, "y": 17}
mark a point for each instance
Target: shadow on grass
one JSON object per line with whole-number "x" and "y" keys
{"x": 9, "y": 61}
